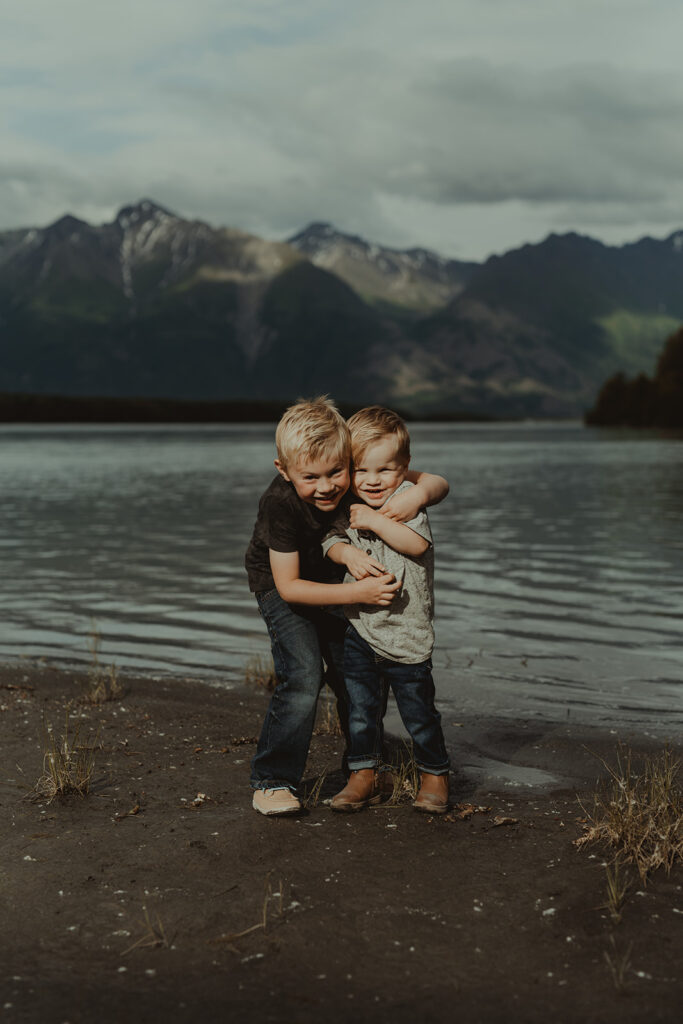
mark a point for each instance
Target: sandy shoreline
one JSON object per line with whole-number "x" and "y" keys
{"x": 383, "y": 915}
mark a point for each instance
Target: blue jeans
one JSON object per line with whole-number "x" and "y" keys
{"x": 367, "y": 676}
{"x": 301, "y": 639}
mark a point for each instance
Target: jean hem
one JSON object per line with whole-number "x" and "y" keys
{"x": 272, "y": 784}
{"x": 433, "y": 771}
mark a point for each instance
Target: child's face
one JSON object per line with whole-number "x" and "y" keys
{"x": 320, "y": 482}
{"x": 378, "y": 472}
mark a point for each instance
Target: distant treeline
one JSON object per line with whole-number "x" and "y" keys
{"x": 644, "y": 401}
{"x": 21, "y": 408}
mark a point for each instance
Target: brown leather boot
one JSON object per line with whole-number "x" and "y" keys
{"x": 433, "y": 795}
{"x": 361, "y": 790}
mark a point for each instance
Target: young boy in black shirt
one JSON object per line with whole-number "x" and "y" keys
{"x": 294, "y": 586}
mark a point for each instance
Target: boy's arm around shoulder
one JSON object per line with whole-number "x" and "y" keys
{"x": 429, "y": 490}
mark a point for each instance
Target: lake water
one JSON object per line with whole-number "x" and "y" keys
{"x": 559, "y": 554}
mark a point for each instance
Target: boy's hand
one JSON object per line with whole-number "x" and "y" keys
{"x": 361, "y": 565}
{"x": 378, "y": 589}
{"x": 404, "y": 506}
{"x": 362, "y": 517}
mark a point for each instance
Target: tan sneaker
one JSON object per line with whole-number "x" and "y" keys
{"x": 275, "y": 801}
{"x": 360, "y": 791}
{"x": 433, "y": 795}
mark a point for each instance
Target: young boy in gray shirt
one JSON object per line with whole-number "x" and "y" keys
{"x": 388, "y": 645}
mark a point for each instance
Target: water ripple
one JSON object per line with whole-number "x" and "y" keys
{"x": 559, "y": 580}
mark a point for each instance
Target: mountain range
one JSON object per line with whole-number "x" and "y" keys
{"x": 156, "y": 305}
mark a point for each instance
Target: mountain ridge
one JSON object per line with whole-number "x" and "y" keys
{"x": 152, "y": 303}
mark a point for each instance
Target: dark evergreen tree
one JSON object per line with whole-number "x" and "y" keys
{"x": 644, "y": 402}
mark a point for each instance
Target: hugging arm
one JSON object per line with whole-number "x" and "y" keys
{"x": 429, "y": 490}
{"x": 358, "y": 563}
{"x": 285, "y": 568}
{"x": 397, "y": 535}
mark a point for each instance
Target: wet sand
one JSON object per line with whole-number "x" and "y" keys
{"x": 129, "y": 903}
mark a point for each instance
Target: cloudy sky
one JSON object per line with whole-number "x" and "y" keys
{"x": 469, "y": 126}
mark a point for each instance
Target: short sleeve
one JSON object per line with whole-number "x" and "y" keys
{"x": 279, "y": 525}
{"x": 420, "y": 524}
{"x": 336, "y": 533}
{"x": 334, "y": 538}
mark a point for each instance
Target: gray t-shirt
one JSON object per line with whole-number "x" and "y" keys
{"x": 404, "y": 631}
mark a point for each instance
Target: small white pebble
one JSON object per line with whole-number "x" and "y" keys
{"x": 122, "y": 970}
{"x": 150, "y": 972}
{"x": 549, "y": 911}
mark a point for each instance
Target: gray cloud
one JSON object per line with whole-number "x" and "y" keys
{"x": 477, "y": 126}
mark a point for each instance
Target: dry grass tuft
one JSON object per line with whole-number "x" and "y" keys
{"x": 104, "y": 687}
{"x": 618, "y": 883}
{"x": 639, "y": 812}
{"x": 67, "y": 763}
{"x": 311, "y": 797}
{"x": 262, "y": 924}
{"x": 618, "y": 964}
{"x": 102, "y": 684}
{"x": 153, "y": 937}
{"x": 405, "y": 776}
{"x": 260, "y": 672}
{"x": 328, "y": 723}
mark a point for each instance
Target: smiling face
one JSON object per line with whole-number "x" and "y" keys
{"x": 378, "y": 471}
{"x": 319, "y": 482}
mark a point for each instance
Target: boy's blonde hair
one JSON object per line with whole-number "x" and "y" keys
{"x": 374, "y": 423}
{"x": 312, "y": 429}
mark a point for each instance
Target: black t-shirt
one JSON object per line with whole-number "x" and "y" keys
{"x": 286, "y": 523}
